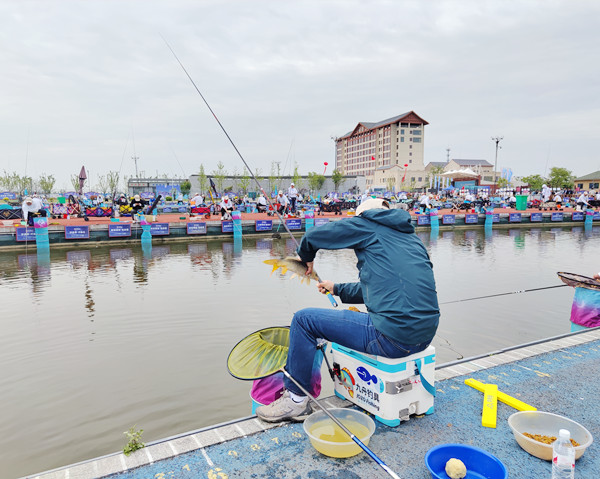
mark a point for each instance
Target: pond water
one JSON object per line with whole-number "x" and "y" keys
{"x": 99, "y": 339}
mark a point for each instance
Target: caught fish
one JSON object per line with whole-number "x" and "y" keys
{"x": 297, "y": 267}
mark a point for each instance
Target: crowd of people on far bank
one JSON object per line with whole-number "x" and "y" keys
{"x": 545, "y": 199}
{"x": 291, "y": 202}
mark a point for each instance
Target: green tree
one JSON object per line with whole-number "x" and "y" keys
{"x": 219, "y": 176}
{"x": 112, "y": 182}
{"x": 244, "y": 181}
{"x": 560, "y": 178}
{"x": 185, "y": 187}
{"x": 502, "y": 183}
{"x": 391, "y": 182}
{"x": 273, "y": 178}
{"x": 535, "y": 182}
{"x": 235, "y": 180}
{"x": 337, "y": 178}
{"x": 15, "y": 182}
{"x": 433, "y": 172}
{"x": 202, "y": 180}
{"x": 315, "y": 181}
{"x": 24, "y": 183}
{"x": 75, "y": 182}
{"x": 297, "y": 178}
{"x": 437, "y": 170}
{"x": 46, "y": 183}
{"x": 103, "y": 184}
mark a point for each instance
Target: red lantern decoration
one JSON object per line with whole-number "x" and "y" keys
{"x": 325, "y": 163}
{"x": 405, "y": 165}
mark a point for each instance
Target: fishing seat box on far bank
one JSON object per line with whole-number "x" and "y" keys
{"x": 390, "y": 389}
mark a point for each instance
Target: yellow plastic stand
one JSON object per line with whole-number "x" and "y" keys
{"x": 490, "y": 405}
{"x": 505, "y": 398}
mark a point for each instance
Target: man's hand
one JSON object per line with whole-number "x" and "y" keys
{"x": 309, "y": 268}
{"x": 597, "y": 276}
{"x": 325, "y": 287}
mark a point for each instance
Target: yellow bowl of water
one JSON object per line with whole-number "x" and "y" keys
{"x": 330, "y": 439}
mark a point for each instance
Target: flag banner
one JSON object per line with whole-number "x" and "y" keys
{"x": 212, "y": 185}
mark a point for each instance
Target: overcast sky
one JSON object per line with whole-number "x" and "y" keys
{"x": 93, "y": 83}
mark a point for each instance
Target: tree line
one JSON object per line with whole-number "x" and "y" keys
{"x": 558, "y": 178}
{"x": 272, "y": 182}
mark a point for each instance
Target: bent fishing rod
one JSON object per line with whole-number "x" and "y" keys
{"x": 268, "y": 197}
{"x": 505, "y": 294}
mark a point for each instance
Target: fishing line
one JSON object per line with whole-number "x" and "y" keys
{"x": 329, "y": 295}
{"x": 177, "y": 159}
{"x": 123, "y": 155}
{"x": 504, "y": 294}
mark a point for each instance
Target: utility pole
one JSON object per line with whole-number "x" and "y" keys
{"x": 135, "y": 158}
{"x": 496, "y": 139}
{"x": 447, "y": 155}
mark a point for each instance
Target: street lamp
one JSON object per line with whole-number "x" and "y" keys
{"x": 496, "y": 139}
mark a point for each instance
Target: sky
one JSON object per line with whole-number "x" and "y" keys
{"x": 93, "y": 83}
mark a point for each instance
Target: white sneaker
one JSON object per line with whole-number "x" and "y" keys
{"x": 285, "y": 409}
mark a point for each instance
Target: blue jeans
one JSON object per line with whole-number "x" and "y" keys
{"x": 348, "y": 328}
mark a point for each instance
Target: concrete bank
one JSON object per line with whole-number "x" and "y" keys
{"x": 76, "y": 232}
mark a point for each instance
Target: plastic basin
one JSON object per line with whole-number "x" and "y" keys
{"x": 329, "y": 439}
{"x": 480, "y": 464}
{"x": 546, "y": 424}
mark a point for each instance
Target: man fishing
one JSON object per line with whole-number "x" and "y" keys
{"x": 31, "y": 208}
{"x": 293, "y": 196}
{"x": 226, "y": 208}
{"x": 283, "y": 203}
{"x": 396, "y": 286}
{"x": 137, "y": 204}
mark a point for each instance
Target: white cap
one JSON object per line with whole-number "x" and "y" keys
{"x": 372, "y": 204}
{"x": 564, "y": 434}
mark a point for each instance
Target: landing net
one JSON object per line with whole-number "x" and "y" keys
{"x": 579, "y": 281}
{"x": 260, "y": 354}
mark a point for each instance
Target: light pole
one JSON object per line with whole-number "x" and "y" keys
{"x": 135, "y": 158}
{"x": 496, "y": 139}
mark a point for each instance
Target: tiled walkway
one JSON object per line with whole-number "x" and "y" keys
{"x": 559, "y": 376}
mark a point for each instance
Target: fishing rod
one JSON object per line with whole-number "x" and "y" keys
{"x": 505, "y": 294}
{"x": 329, "y": 295}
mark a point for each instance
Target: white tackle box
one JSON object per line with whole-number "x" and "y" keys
{"x": 390, "y": 389}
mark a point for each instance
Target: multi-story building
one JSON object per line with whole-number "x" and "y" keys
{"x": 375, "y": 150}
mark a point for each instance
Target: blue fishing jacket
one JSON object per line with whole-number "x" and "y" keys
{"x": 396, "y": 275}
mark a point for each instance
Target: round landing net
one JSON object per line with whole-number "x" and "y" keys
{"x": 260, "y": 354}
{"x": 579, "y": 281}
